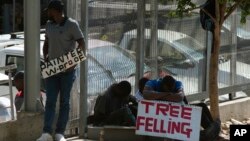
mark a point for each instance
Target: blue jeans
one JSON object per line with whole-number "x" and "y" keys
{"x": 58, "y": 84}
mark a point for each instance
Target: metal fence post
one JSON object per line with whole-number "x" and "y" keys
{"x": 32, "y": 53}
{"x": 84, "y": 73}
{"x": 140, "y": 41}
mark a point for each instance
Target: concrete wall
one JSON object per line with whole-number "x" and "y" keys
{"x": 28, "y": 127}
{"x": 238, "y": 109}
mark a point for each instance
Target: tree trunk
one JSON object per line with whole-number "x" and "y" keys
{"x": 213, "y": 71}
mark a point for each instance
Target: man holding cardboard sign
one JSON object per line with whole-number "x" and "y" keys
{"x": 62, "y": 34}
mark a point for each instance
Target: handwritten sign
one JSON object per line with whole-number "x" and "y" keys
{"x": 169, "y": 120}
{"x": 62, "y": 63}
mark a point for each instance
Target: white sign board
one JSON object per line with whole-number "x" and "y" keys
{"x": 62, "y": 63}
{"x": 168, "y": 120}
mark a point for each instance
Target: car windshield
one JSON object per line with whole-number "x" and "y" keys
{"x": 98, "y": 78}
{"x": 190, "y": 43}
{"x": 115, "y": 60}
{"x": 191, "y": 47}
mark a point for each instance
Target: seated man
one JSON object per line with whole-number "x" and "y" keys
{"x": 19, "y": 98}
{"x": 166, "y": 88}
{"x": 141, "y": 85}
{"x": 112, "y": 107}
{"x": 169, "y": 89}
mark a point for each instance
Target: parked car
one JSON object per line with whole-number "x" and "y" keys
{"x": 104, "y": 59}
{"x": 179, "y": 53}
{"x": 243, "y": 32}
{"x": 106, "y": 64}
{"x": 3, "y": 78}
{"x": 5, "y": 110}
{"x": 175, "y": 49}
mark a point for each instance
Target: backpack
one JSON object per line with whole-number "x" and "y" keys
{"x": 206, "y": 22}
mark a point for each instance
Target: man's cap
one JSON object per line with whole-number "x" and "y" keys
{"x": 56, "y": 4}
{"x": 19, "y": 75}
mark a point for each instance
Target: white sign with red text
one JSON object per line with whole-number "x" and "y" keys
{"x": 169, "y": 120}
{"x": 62, "y": 63}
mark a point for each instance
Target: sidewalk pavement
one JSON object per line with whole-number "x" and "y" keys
{"x": 77, "y": 139}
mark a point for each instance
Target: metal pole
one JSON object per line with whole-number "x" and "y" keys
{"x": 209, "y": 47}
{"x": 154, "y": 36}
{"x": 6, "y": 18}
{"x": 11, "y": 95}
{"x": 140, "y": 41}
{"x": 32, "y": 53}
{"x": 233, "y": 52}
{"x": 84, "y": 73}
{"x": 14, "y": 16}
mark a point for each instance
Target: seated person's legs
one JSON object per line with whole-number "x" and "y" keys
{"x": 123, "y": 117}
{"x": 206, "y": 117}
{"x": 211, "y": 128}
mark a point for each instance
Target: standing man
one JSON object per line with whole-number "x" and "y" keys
{"x": 62, "y": 34}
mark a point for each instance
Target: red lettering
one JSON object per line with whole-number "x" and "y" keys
{"x": 147, "y": 104}
{"x": 169, "y": 125}
{"x": 162, "y": 130}
{"x": 155, "y": 126}
{"x": 185, "y": 130}
{"x": 186, "y": 112}
{"x": 174, "y": 110}
{"x": 179, "y": 127}
{"x": 162, "y": 108}
{"x": 139, "y": 122}
{"x": 176, "y": 127}
{"x": 149, "y": 124}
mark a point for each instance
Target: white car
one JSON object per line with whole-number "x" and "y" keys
{"x": 175, "y": 49}
{"x": 5, "y": 110}
{"x": 107, "y": 64}
{"x": 182, "y": 55}
{"x": 3, "y": 78}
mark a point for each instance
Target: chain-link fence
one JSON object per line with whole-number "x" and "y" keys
{"x": 182, "y": 45}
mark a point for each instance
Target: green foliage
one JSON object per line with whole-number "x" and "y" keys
{"x": 245, "y": 10}
{"x": 186, "y": 6}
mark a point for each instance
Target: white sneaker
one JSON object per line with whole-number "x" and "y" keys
{"x": 59, "y": 137}
{"x": 45, "y": 137}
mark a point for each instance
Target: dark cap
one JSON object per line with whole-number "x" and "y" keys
{"x": 19, "y": 75}
{"x": 56, "y": 4}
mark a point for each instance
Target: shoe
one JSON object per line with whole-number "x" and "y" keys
{"x": 59, "y": 137}
{"x": 45, "y": 137}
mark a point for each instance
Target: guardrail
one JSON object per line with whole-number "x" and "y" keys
{"x": 8, "y": 69}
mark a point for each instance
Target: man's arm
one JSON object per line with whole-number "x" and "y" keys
{"x": 174, "y": 97}
{"x": 46, "y": 49}
{"x": 150, "y": 94}
{"x": 81, "y": 43}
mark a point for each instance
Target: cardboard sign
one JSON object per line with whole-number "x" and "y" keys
{"x": 62, "y": 63}
{"x": 169, "y": 120}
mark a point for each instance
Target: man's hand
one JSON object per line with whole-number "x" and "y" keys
{"x": 81, "y": 44}
{"x": 46, "y": 58}
{"x": 45, "y": 49}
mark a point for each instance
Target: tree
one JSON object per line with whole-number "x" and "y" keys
{"x": 223, "y": 9}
